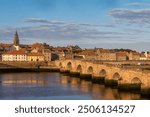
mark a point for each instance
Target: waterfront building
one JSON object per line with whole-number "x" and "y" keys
{"x": 47, "y": 54}
{"x": 15, "y": 55}
{"x": 35, "y": 57}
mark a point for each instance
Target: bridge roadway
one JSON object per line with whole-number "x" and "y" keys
{"x": 125, "y": 78}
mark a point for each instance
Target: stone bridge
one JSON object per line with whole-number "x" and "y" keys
{"x": 125, "y": 79}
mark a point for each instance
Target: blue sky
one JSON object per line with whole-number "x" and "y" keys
{"x": 87, "y": 23}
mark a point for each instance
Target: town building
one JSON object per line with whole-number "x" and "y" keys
{"x": 35, "y": 57}
{"x": 121, "y": 56}
{"x": 88, "y": 54}
{"x": 14, "y": 55}
{"x": 37, "y": 48}
{"x": 133, "y": 55}
{"x": 47, "y": 54}
{"x": 105, "y": 54}
{"x": 5, "y": 47}
{"x": 69, "y": 55}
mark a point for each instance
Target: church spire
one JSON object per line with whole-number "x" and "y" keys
{"x": 16, "y": 39}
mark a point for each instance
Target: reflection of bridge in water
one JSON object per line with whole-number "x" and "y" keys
{"x": 124, "y": 78}
{"x": 97, "y": 91}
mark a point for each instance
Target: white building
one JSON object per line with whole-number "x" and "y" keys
{"x": 16, "y": 55}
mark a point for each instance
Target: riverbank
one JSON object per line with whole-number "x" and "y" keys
{"x": 33, "y": 69}
{"x": 11, "y": 67}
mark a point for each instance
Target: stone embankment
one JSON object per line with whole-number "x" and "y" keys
{"x": 6, "y": 67}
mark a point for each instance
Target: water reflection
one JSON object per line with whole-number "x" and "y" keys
{"x": 55, "y": 86}
{"x": 98, "y": 91}
{"x": 9, "y": 79}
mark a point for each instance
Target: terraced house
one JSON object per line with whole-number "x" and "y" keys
{"x": 16, "y": 55}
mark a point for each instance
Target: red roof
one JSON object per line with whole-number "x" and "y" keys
{"x": 121, "y": 54}
{"x": 16, "y": 52}
{"x": 37, "y": 45}
{"x": 5, "y": 45}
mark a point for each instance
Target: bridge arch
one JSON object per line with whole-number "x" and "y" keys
{"x": 102, "y": 73}
{"x": 69, "y": 66}
{"x": 79, "y": 68}
{"x": 136, "y": 80}
{"x": 90, "y": 70}
{"x": 116, "y": 76}
{"x": 136, "y": 84}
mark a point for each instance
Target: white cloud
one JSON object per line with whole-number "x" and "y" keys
{"x": 43, "y": 21}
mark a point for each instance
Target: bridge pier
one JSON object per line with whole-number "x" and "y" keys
{"x": 75, "y": 74}
{"x": 98, "y": 79}
{"x": 145, "y": 91}
{"x": 111, "y": 82}
{"x": 129, "y": 87}
{"x": 62, "y": 70}
{"x": 86, "y": 76}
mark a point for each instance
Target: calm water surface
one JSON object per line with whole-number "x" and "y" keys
{"x": 55, "y": 86}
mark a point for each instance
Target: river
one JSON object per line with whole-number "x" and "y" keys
{"x": 55, "y": 86}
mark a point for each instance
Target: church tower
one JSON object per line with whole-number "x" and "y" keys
{"x": 16, "y": 39}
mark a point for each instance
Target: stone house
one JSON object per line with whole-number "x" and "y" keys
{"x": 105, "y": 54}
{"x": 121, "y": 56}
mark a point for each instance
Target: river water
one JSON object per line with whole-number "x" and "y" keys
{"x": 50, "y": 86}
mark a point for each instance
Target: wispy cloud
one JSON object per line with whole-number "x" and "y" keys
{"x": 52, "y": 31}
{"x": 45, "y": 21}
{"x": 139, "y": 4}
{"x": 68, "y": 33}
{"x": 139, "y": 16}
